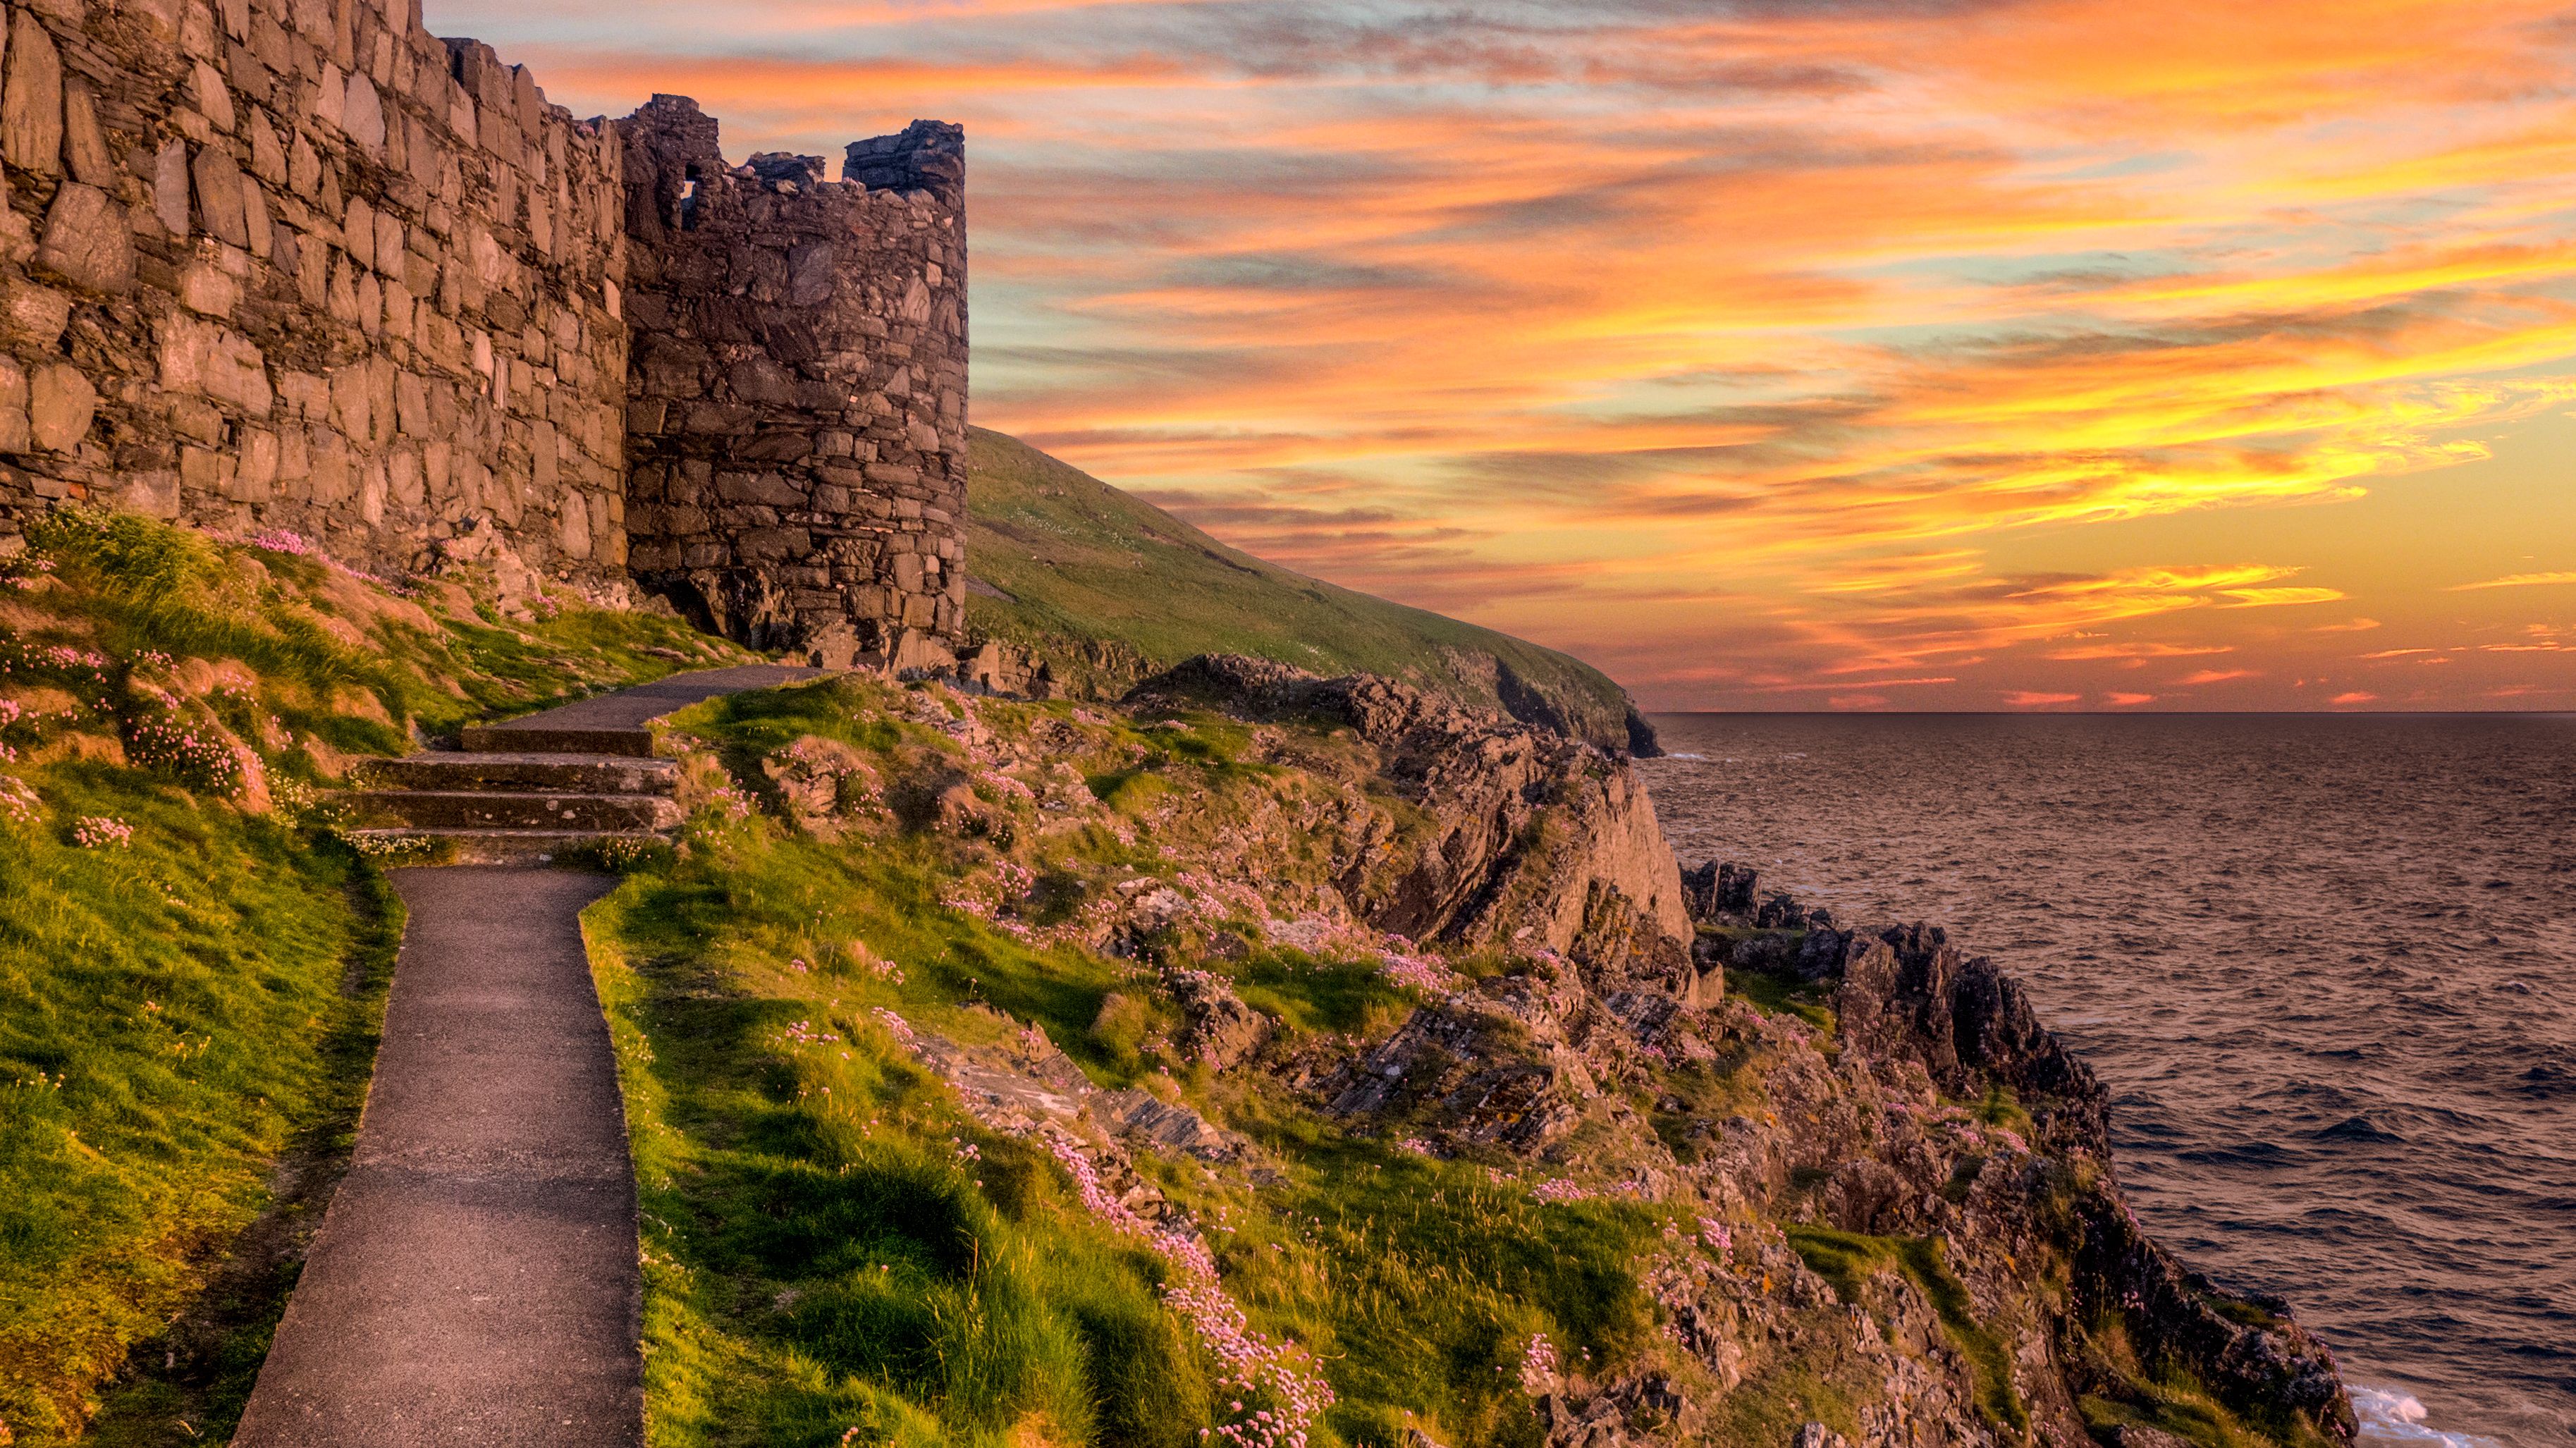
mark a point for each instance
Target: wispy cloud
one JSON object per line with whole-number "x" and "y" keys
{"x": 2517, "y": 580}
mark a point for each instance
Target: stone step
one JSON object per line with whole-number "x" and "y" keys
{"x": 481, "y": 810}
{"x": 540, "y": 739}
{"x": 523, "y": 773}
{"x": 400, "y": 847}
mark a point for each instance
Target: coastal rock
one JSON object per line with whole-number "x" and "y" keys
{"x": 819, "y": 780}
{"x": 1482, "y": 780}
{"x": 1222, "y": 1030}
{"x": 1719, "y": 893}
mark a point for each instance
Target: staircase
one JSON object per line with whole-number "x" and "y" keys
{"x": 578, "y": 777}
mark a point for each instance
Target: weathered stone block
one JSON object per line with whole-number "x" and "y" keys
{"x": 31, "y": 113}
{"x": 34, "y": 316}
{"x": 362, "y": 116}
{"x": 213, "y": 361}
{"x": 84, "y": 144}
{"x": 88, "y": 241}
{"x": 219, "y": 195}
{"x": 15, "y": 433}
{"x": 61, "y": 405}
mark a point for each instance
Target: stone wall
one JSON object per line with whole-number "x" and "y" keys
{"x": 300, "y": 264}
{"x": 799, "y": 419}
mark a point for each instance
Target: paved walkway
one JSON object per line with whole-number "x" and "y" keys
{"x": 475, "y": 1280}
{"x": 634, "y": 708}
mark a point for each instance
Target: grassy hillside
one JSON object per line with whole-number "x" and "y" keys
{"x": 1109, "y": 589}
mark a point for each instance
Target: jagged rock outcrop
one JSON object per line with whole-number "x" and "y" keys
{"x": 1909, "y": 1006}
{"x": 1529, "y": 832}
{"x": 1222, "y": 1029}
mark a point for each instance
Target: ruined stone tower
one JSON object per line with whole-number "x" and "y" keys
{"x": 796, "y": 438}
{"x": 301, "y": 265}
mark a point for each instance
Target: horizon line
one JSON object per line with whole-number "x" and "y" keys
{"x": 2569, "y": 712}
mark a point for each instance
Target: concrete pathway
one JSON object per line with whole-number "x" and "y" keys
{"x": 634, "y": 708}
{"x": 475, "y": 1279}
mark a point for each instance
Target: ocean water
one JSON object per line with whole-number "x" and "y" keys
{"x": 2325, "y": 965}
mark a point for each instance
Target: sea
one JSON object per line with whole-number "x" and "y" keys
{"x": 2326, "y": 966}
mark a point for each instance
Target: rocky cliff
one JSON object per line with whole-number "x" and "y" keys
{"x": 1534, "y": 839}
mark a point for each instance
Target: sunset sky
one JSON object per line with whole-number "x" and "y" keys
{"x": 1793, "y": 354}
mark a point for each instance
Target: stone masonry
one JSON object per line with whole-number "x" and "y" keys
{"x": 798, "y": 428}
{"x": 299, "y": 264}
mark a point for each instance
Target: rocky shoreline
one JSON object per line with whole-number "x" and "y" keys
{"x": 1907, "y": 999}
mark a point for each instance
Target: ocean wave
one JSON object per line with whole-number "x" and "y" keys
{"x": 2392, "y": 1415}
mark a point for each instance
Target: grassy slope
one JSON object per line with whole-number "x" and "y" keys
{"x": 181, "y": 1013}
{"x": 1083, "y": 564}
{"x": 825, "y": 1258}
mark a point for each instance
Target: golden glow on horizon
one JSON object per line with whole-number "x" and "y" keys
{"x": 2014, "y": 353}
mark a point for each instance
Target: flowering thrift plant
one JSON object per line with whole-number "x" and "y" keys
{"x": 1426, "y": 973}
{"x": 1245, "y": 1358}
{"x": 98, "y": 832}
{"x": 18, "y": 803}
{"x": 1538, "y": 1366}
{"x": 193, "y": 753}
{"x": 24, "y": 574}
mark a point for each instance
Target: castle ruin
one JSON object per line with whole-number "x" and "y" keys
{"x": 301, "y": 265}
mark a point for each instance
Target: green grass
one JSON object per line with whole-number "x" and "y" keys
{"x": 1111, "y": 589}
{"x": 171, "y": 1015}
{"x": 1780, "y": 996}
{"x": 1848, "y": 1259}
{"x": 2168, "y": 1396}
{"x": 183, "y": 1012}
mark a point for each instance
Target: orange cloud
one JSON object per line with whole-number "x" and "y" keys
{"x": 2025, "y": 699}
{"x": 2516, "y": 580}
{"x": 2214, "y": 676}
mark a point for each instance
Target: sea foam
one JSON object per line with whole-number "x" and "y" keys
{"x": 2392, "y": 1415}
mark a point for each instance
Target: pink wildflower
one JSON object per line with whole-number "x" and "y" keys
{"x": 96, "y": 832}
{"x": 1538, "y": 1366}
{"x": 1426, "y": 973}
